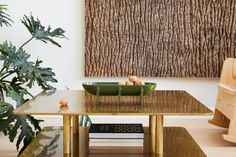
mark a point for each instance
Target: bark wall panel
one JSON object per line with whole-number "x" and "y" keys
{"x": 159, "y": 38}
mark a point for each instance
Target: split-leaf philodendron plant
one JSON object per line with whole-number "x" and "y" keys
{"x": 18, "y": 74}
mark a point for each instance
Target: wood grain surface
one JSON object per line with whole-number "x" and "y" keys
{"x": 159, "y": 38}
{"x": 49, "y": 142}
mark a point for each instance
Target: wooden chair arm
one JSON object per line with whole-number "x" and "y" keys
{"x": 227, "y": 88}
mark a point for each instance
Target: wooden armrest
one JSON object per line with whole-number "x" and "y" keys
{"x": 228, "y": 88}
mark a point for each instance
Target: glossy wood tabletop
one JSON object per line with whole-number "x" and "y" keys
{"x": 49, "y": 142}
{"x": 161, "y": 102}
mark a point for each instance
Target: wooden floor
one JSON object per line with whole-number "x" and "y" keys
{"x": 207, "y": 136}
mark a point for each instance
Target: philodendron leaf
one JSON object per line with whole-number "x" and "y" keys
{"x": 13, "y": 131}
{"x": 5, "y": 108}
{"x": 14, "y": 125}
{"x": 6, "y": 117}
{"x": 43, "y": 76}
{"x": 12, "y": 58}
{"x": 35, "y": 122}
{"x": 39, "y": 31}
{"x": 18, "y": 74}
{"x": 23, "y": 128}
{"x": 28, "y": 72}
{"x": 4, "y": 17}
{"x": 38, "y": 74}
{"x": 26, "y": 133}
{"x": 16, "y": 93}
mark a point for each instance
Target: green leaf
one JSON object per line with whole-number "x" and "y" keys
{"x": 35, "y": 122}
{"x": 6, "y": 117}
{"x": 13, "y": 131}
{"x": 16, "y": 93}
{"x": 12, "y": 125}
{"x": 19, "y": 140}
{"x": 18, "y": 74}
{"x": 28, "y": 72}
{"x": 5, "y": 108}
{"x": 4, "y": 17}
{"x": 7, "y": 129}
{"x": 12, "y": 59}
{"x": 85, "y": 120}
{"x": 39, "y": 31}
{"x": 24, "y": 129}
{"x": 42, "y": 76}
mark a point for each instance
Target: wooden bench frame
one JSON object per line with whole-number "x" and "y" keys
{"x": 225, "y": 112}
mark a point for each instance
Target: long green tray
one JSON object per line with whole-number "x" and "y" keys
{"x": 113, "y": 88}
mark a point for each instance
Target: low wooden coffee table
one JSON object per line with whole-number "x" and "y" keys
{"x": 156, "y": 105}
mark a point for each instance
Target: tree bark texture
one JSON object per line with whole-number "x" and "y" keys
{"x": 159, "y": 38}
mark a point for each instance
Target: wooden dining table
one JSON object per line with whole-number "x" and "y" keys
{"x": 156, "y": 105}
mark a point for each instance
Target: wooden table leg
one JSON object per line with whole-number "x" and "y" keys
{"x": 152, "y": 131}
{"x": 67, "y": 134}
{"x": 159, "y": 134}
{"x": 76, "y": 135}
{"x": 76, "y": 124}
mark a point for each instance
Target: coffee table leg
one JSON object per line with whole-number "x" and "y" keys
{"x": 75, "y": 135}
{"x": 152, "y": 131}
{"x": 75, "y": 125}
{"x": 159, "y": 134}
{"x": 67, "y": 134}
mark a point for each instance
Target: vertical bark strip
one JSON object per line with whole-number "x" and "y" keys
{"x": 159, "y": 38}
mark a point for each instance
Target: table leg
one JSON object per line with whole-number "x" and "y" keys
{"x": 75, "y": 135}
{"x": 76, "y": 124}
{"x": 159, "y": 134}
{"x": 67, "y": 134}
{"x": 152, "y": 131}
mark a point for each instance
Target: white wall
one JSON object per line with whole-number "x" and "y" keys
{"x": 68, "y": 61}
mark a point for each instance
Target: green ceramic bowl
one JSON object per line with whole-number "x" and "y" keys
{"x": 113, "y": 88}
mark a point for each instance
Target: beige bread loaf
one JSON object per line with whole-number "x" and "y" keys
{"x": 128, "y": 82}
{"x": 132, "y": 78}
{"x": 139, "y": 82}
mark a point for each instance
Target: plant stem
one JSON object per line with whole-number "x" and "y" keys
{"x": 2, "y": 69}
{"x": 6, "y": 81}
{"x": 10, "y": 72}
{"x": 26, "y": 42}
{"x": 29, "y": 93}
{"x": 7, "y": 71}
